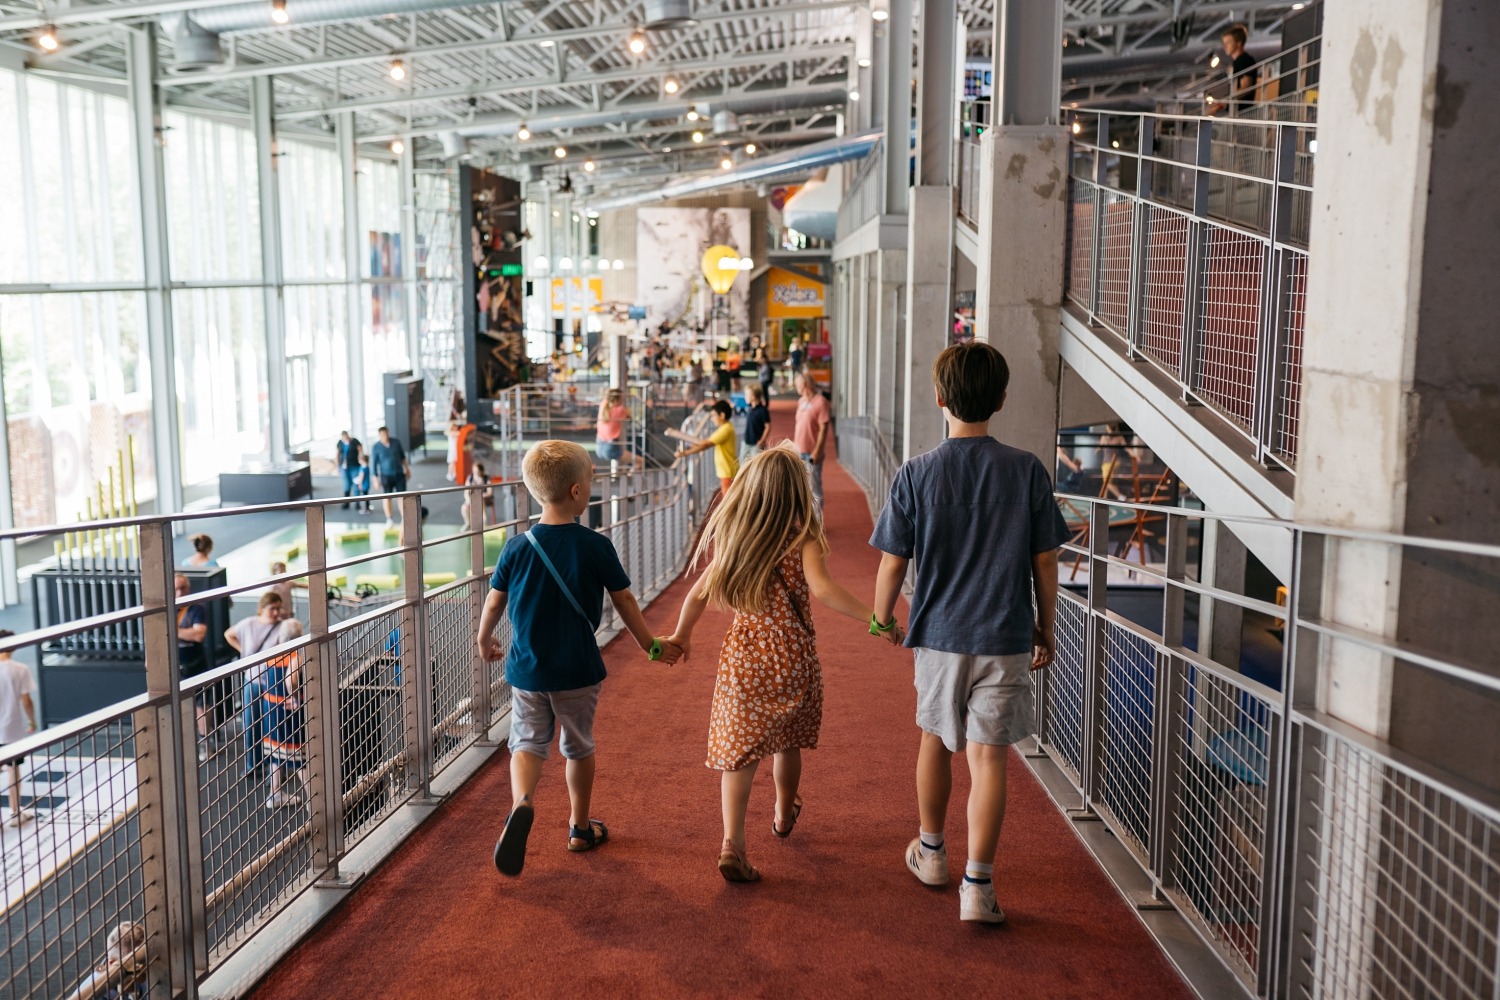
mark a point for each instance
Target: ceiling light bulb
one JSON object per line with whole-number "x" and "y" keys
{"x": 666, "y": 149}
{"x": 1077, "y": 128}
{"x": 278, "y": 11}
{"x": 670, "y": 85}
{"x": 560, "y": 152}
{"x": 398, "y": 70}
{"x": 863, "y": 63}
{"x": 637, "y": 41}
{"x": 750, "y": 149}
{"x": 523, "y": 133}
{"x": 566, "y": 264}
{"x": 546, "y": 43}
{"x": 47, "y": 40}
{"x": 1115, "y": 143}
{"x": 725, "y": 163}
{"x": 880, "y": 10}
{"x": 588, "y": 165}
{"x": 697, "y": 136}
{"x": 398, "y": 147}
{"x": 692, "y": 113}
{"x": 619, "y": 264}
{"x": 1214, "y": 62}
{"x": 541, "y": 263}
{"x": 854, "y": 95}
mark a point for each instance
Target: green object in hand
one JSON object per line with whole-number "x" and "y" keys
{"x": 878, "y": 629}
{"x": 654, "y": 653}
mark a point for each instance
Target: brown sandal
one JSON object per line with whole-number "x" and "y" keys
{"x": 734, "y": 866}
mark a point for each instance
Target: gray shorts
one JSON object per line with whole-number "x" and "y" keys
{"x": 536, "y": 715}
{"x": 986, "y": 699}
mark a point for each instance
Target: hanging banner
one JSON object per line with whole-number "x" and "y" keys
{"x": 572, "y": 298}
{"x": 791, "y": 296}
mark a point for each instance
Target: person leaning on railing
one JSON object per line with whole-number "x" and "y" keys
{"x": 249, "y": 637}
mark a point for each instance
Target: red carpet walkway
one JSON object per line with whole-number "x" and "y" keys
{"x": 648, "y": 915}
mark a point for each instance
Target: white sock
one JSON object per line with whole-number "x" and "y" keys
{"x": 931, "y": 841}
{"x": 978, "y": 872}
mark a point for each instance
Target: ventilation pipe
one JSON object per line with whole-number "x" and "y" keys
{"x": 669, "y": 13}
{"x": 726, "y": 123}
{"x": 194, "y": 48}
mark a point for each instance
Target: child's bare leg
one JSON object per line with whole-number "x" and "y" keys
{"x": 787, "y": 768}
{"x": 934, "y": 782}
{"x": 525, "y": 772}
{"x": 580, "y": 791}
{"x": 986, "y": 799}
{"x": 15, "y": 789}
{"x": 734, "y": 795}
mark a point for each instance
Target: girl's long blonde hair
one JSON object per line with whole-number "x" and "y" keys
{"x": 768, "y": 512}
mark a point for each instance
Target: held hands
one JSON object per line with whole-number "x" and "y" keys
{"x": 670, "y": 653}
{"x": 891, "y": 631}
{"x": 1043, "y": 647}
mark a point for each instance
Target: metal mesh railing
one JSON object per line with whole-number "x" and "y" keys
{"x": 1127, "y": 730}
{"x": 865, "y": 455}
{"x": 162, "y": 833}
{"x": 1061, "y": 707}
{"x": 1176, "y": 226}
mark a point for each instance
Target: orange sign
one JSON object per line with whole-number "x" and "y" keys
{"x": 573, "y": 297}
{"x": 791, "y": 296}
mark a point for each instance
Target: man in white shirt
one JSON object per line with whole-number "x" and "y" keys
{"x": 17, "y": 719}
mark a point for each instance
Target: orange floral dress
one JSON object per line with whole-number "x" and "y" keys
{"x": 768, "y": 695}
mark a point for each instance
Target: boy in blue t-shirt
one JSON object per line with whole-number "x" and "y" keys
{"x": 553, "y": 666}
{"x": 980, "y": 519}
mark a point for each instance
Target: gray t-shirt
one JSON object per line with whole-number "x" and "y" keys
{"x": 971, "y": 513}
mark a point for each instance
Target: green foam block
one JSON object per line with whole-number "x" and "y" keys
{"x": 438, "y": 579}
{"x": 345, "y": 537}
{"x": 286, "y": 553}
{"x": 338, "y": 581}
{"x": 385, "y": 581}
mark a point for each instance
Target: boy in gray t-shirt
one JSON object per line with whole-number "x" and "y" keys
{"x": 980, "y": 519}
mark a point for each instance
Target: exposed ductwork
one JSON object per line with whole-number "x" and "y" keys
{"x": 669, "y": 13}
{"x": 726, "y": 123}
{"x": 798, "y": 160}
{"x": 195, "y": 34}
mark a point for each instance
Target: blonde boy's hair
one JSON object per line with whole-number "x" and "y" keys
{"x": 552, "y": 467}
{"x": 768, "y": 512}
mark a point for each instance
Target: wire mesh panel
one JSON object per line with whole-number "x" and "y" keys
{"x": 372, "y": 714}
{"x": 1062, "y": 710}
{"x": 1228, "y": 323}
{"x": 1116, "y": 240}
{"x": 499, "y": 690}
{"x": 1294, "y": 323}
{"x": 1082, "y": 197}
{"x": 1165, "y": 286}
{"x": 450, "y": 658}
{"x": 75, "y": 882}
{"x": 1220, "y": 804}
{"x": 1398, "y": 882}
{"x": 255, "y": 823}
{"x": 1129, "y": 686}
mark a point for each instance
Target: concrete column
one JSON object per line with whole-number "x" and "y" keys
{"x": 861, "y": 353}
{"x": 140, "y": 53}
{"x": 1220, "y": 624}
{"x": 1401, "y": 382}
{"x": 1023, "y": 202}
{"x": 410, "y": 292}
{"x": 898, "y": 105}
{"x": 930, "y": 226}
{"x": 262, "y": 116}
{"x": 349, "y": 170}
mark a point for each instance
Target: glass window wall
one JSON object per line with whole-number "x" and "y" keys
{"x": 383, "y": 295}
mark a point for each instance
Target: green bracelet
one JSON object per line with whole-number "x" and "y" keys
{"x": 878, "y": 629}
{"x": 654, "y": 653}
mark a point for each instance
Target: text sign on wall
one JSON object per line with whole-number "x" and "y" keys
{"x": 791, "y": 296}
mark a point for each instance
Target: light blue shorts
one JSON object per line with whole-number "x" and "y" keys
{"x": 963, "y": 698}
{"x": 535, "y": 717}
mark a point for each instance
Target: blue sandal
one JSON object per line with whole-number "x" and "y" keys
{"x": 510, "y": 849}
{"x": 590, "y": 838}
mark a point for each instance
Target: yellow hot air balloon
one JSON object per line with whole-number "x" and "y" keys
{"x": 721, "y": 265}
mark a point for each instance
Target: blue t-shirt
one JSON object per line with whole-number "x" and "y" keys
{"x": 551, "y": 649}
{"x": 971, "y": 513}
{"x": 387, "y": 460}
{"x": 755, "y": 423}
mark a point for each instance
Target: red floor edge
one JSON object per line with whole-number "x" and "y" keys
{"x": 648, "y": 915}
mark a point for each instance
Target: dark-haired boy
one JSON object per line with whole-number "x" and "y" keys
{"x": 722, "y": 441}
{"x": 980, "y": 519}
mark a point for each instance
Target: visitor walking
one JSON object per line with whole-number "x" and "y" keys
{"x": 388, "y": 462}
{"x": 17, "y": 720}
{"x": 810, "y": 432}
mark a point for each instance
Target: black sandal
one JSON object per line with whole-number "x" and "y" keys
{"x": 510, "y": 849}
{"x": 796, "y": 811}
{"x": 590, "y": 839}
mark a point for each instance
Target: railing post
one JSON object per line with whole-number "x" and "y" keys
{"x": 167, "y": 789}
{"x": 1140, "y": 227}
{"x": 416, "y": 654}
{"x": 1170, "y": 692}
{"x": 481, "y": 705}
{"x": 1199, "y": 236}
{"x": 1275, "y": 282}
{"x": 1095, "y": 660}
{"x": 320, "y": 695}
{"x": 1096, "y": 217}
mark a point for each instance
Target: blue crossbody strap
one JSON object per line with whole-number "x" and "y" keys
{"x": 558, "y": 577}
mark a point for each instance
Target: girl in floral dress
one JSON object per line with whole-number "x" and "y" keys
{"x": 769, "y": 553}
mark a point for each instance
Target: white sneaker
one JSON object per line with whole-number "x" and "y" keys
{"x": 976, "y": 903}
{"x": 930, "y": 867}
{"x": 203, "y": 752}
{"x": 21, "y": 816}
{"x": 279, "y": 801}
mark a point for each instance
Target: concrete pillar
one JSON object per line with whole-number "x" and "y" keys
{"x": 897, "y": 83}
{"x": 1023, "y": 205}
{"x": 1220, "y": 624}
{"x": 930, "y": 226}
{"x": 1401, "y": 382}
{"x": 263, "y": 118}
{"x": 142, "y": 66}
